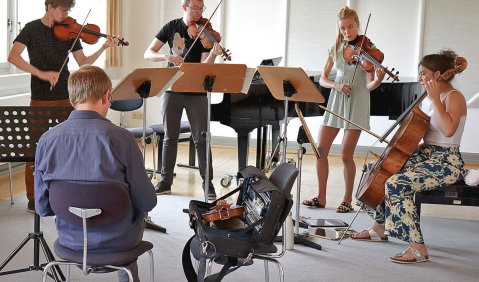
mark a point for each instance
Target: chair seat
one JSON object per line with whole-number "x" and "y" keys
{"x": 100, "y": 259}
{"x": 184, "y": 128}
{"x": 138, "y": 131}
{"x": 263, "y": 249}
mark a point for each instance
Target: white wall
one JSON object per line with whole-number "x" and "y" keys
{"x": 301, "y": 31}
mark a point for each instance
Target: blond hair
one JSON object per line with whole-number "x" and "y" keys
{"x": 87, "y": 83}
{"x": 344, "y": 13}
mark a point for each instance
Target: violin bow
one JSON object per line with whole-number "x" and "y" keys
{"x": 73, "y": 45}
{"x": 202, "y": 29}
{"x": 361, "y": 48}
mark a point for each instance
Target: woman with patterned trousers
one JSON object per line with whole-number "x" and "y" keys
{"x": 435, "y": 163}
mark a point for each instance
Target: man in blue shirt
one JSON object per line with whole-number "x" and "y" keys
{"x": 88, "y": 147}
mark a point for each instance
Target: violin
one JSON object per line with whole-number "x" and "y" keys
{"x": 222, "y": 211}
{"x": 68, "y": 29}
{"x": 366, "y": 56}
{"x": 400, "y": 148}
{"x": 207, "y": 36}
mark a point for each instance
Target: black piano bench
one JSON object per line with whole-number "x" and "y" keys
{"x": 459, "y": 194}
{"x": 184, "y": 128}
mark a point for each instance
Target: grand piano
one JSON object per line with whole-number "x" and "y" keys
{"x": 258, "y": 108}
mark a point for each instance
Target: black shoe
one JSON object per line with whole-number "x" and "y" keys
{"x": 31, "y": 206}
{"x": 211, "y": 191}
{"x": 162, "y": 188}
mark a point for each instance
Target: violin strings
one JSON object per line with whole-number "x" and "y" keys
{"x": 73, "y": 45}
{"x": 372, "y": 60}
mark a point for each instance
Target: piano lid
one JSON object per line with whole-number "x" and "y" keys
{"x": 266, "y": 62}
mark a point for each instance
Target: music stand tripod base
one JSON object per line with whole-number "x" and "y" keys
{"x": 19, "y": 140}
{"x": 153, "y": 226}
{"x": 304, "y": 239}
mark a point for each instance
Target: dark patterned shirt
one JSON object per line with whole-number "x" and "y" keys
{"x": 46, "y": 53}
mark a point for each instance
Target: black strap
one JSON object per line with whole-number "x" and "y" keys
{"x": 190, "y": 272}
{"x": 188, "y": 269}
{"x": 251, "y": 226}
{"x": 230, "y": 193}
{"x": 226, "y": 269}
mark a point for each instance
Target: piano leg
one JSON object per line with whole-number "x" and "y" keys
{"x": 261, "y": 138}
{"x": 274, "y": 142}
{"x": 243, "y": 149}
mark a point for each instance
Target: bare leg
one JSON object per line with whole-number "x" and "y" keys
{"x": 325, "y": 140}
{"x": 350, "y": 140}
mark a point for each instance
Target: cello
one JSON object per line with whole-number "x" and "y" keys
{"x": 371, "y": 189}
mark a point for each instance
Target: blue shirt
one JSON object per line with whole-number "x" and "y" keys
{"x": 88, "y": 147}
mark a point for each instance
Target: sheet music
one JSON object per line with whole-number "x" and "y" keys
{"x": 247, "y": 80}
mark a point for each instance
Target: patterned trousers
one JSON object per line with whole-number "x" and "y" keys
{"x": 431, "y": 167}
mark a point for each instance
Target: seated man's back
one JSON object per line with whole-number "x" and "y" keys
{"x": 88, "y": 147}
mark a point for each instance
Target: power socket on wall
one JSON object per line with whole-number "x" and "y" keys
{"x": 137, "y": 115}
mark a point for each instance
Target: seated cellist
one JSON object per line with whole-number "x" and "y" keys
{"x": 436, "y": 163}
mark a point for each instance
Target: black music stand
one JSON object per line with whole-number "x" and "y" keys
{"x": 145, "y": 83}
{"x": 292, "y": 84}
{"x": 20, "y": 130}
{"x": 199, "y": 77}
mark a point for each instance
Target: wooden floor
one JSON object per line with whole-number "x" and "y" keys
{"x": 188, "y": 182}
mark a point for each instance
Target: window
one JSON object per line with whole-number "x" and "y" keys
{"x": 16, "y": 13}
{"x": 4, "y": 35}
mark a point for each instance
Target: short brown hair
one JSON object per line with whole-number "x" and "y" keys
{"x": 186, "y": 2}
{"x": 87, "y": 83}
{"x": 67, "y": 4}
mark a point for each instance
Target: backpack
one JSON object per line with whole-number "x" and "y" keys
{"x": 266, "y": 209}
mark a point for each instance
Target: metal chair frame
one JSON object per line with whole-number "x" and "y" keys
{"x": 84, "y": 214}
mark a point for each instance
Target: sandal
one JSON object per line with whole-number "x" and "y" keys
{"x": 314, "y": 202}
{"x": 371, "y": 236}
{"x": 345, "y": 207}
{"x": 417, "y": 257}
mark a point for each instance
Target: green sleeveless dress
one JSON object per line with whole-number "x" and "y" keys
{"x": 355, "y": 107}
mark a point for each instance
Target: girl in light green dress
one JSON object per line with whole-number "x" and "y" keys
{"x": 350, "y": 99}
